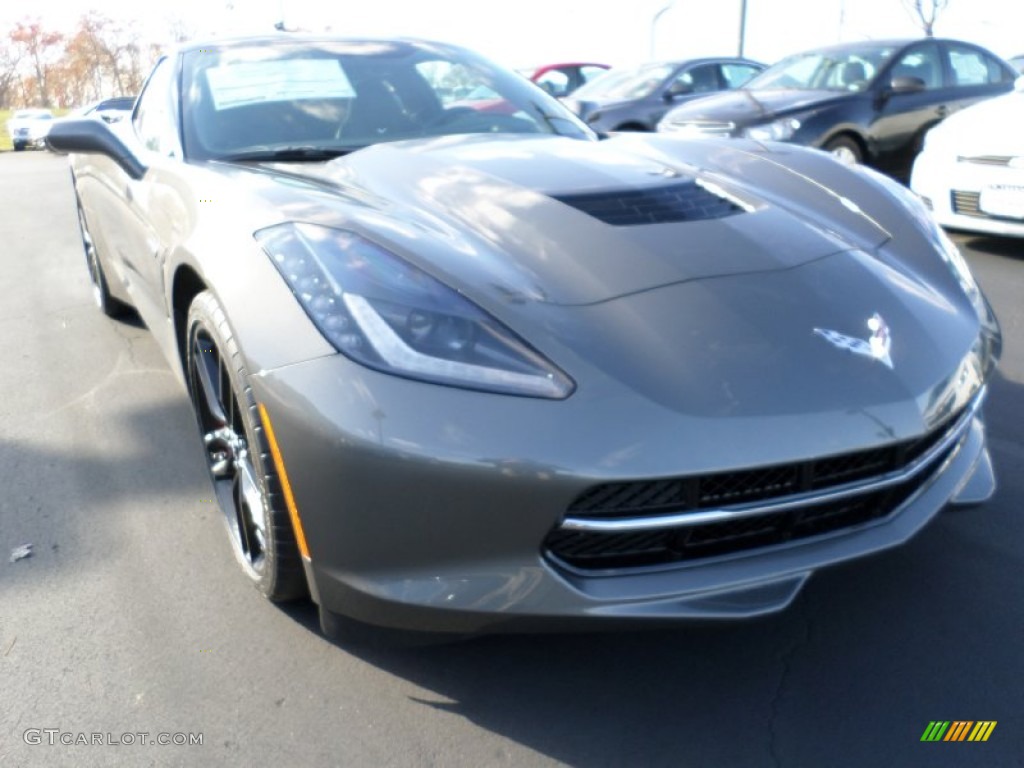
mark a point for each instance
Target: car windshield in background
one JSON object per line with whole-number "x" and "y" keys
{"x": 626, "y": 85}
{"x": 834, "y": 70}
{"x": 308, "y": 100}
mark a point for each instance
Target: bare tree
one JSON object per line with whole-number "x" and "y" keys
{"x": 9, "y": 79}
{"x": 40, "y": 48}
{"x": 925, "y": 12}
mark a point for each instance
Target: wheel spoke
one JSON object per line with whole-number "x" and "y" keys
{"x": 202, "y": 351}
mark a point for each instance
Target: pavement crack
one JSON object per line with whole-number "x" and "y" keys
{"x": 786, "y": 658}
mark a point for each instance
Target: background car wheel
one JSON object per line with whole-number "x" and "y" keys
{"x": 19, "y": 146}
{"x": 238, "y": 456}
{"x": 108, "y": 305}
{"x": 845, "y": 150}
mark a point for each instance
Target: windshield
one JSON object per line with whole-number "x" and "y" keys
{"x": 307, "y": 100}
{"x": 626, "y": 84}
{"x": 837, "y": 70}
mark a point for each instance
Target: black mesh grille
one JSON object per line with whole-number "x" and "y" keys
{"x": 966, "y": 203}
{"x": 590, "y": 549}
{"x": 685, "y": 201}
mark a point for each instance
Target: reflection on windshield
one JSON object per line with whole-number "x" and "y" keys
{"x": 304, "y": 101}
{"x": 636, "y": 83}
{"x": 838, "y": 70}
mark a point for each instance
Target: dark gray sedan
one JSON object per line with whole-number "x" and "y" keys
{"x": 466, "y": 371}
{"x": 635, "y": 99}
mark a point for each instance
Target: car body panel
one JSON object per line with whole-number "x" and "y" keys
{"x": 801, "y": 311}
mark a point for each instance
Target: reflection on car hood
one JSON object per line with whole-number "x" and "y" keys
{"x": 506, "y": 213}
{"x": 744, "y": 106}
{"x": 992, "y": 127}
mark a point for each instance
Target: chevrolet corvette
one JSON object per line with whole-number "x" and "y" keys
{"x": 459, "y": 371}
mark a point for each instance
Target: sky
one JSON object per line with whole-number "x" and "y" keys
{"x": 520, "y": 33}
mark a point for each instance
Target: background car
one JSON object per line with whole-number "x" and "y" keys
{"x": 971, "y": 171}
{"x": 1017, "y": 62}
{"x": 635, "y": 99}
{"x": 109, "y": 110}
{"x": 863, "y": 102}
{"x": 28, "y": 127}
{"x": 560, "y": 80}
{"x": 459, "y": 371}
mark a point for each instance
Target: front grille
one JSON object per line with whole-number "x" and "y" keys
{"x": 686, "y": 201}
{"x": 966, "y": 203}
{"x": 1002, "y": 160}
{"x": 588, "y": 549}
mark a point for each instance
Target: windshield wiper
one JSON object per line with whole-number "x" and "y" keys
{"x": 287, "y": 154}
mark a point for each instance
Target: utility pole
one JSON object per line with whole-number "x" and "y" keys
{"x": 743, "y": 26}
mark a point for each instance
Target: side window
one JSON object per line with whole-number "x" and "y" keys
{"x": 923, "y": 63}
{"x": 736, "y": 75}
{"x": 154, "y": 115}
{"x": 973, "y": 67}
{"x": 555, "y": 82}
{"x": 700, "y": 79}
{"x": 588, "y": 73}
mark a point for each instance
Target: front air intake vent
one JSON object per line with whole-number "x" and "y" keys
{"x": 685, "y": 201}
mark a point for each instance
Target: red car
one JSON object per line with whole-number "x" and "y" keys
{"x": 562, "y": 79}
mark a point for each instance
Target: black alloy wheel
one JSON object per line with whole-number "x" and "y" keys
{"x": 238, "y": 458}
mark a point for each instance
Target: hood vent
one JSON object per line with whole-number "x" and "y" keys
{"x": 684, "y": 201}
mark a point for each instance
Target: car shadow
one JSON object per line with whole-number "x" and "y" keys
{"x": 1009, "y": 247}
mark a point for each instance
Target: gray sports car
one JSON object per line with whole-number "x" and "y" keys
{"x": 467, "y": 371}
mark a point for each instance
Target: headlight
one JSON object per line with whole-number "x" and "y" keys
{"x": 777, "y": 130}
{"x": 381, "y": 311}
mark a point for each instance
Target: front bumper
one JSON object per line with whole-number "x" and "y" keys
{"x": 426, "y": 507}
{"x": 952, "y": 188}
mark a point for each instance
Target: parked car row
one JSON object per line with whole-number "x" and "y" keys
{"x": 28, "y": 128}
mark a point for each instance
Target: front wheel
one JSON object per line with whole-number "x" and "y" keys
{"x": 845, "y": 150}
{"x": 246, "y": 486}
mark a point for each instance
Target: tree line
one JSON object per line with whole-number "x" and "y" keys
{"x": 99, "y": 58}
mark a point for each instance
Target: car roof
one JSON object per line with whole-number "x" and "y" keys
{"x": 279, "y": 38}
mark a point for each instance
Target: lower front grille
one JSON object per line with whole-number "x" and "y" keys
{"x": 647, "y": 523}
{"x": 966, "y": 203}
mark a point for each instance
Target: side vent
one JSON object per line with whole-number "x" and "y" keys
{"x": 685, "y": 201}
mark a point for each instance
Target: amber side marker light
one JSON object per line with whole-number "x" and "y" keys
{"x": 289, "y": 499}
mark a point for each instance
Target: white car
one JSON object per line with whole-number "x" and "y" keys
{"x": 971, "y": 170}
{"x": 28, "y": 127}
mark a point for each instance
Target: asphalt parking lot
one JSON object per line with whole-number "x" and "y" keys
{"x": 130, "y": 617}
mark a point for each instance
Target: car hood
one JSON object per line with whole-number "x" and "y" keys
{"x": 525, "y": 219}
{"x": 992, "y": 127}
{"x": 743, "y": 106}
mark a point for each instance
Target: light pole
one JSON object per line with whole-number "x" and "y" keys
{"x": 743, "y": 26}
{"x": 654, "y": 22}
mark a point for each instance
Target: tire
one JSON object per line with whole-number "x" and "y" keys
{"x": 845, "y": 150}
{"x": 19, "y": 146}
{"x": 107, "y": 304}
{"x": 246, "y": 487}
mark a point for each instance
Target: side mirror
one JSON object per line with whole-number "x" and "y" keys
{"x": 677, "y": 89}
{"x": 906, "y": 84}
{"x": 93, "y": 137}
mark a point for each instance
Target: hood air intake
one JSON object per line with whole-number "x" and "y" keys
{"x": 684, "y": 201}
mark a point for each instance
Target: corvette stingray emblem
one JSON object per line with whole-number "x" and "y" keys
{"x": 877, "y": 346}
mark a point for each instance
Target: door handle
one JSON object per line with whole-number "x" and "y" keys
{"x": 943, "y": 110}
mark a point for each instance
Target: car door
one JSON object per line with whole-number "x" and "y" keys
{"x": 688, "y": 83}
{"x": 902, "y": 116}
{"x": 974, "y": 75}
{"x": 157, "y": 214}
